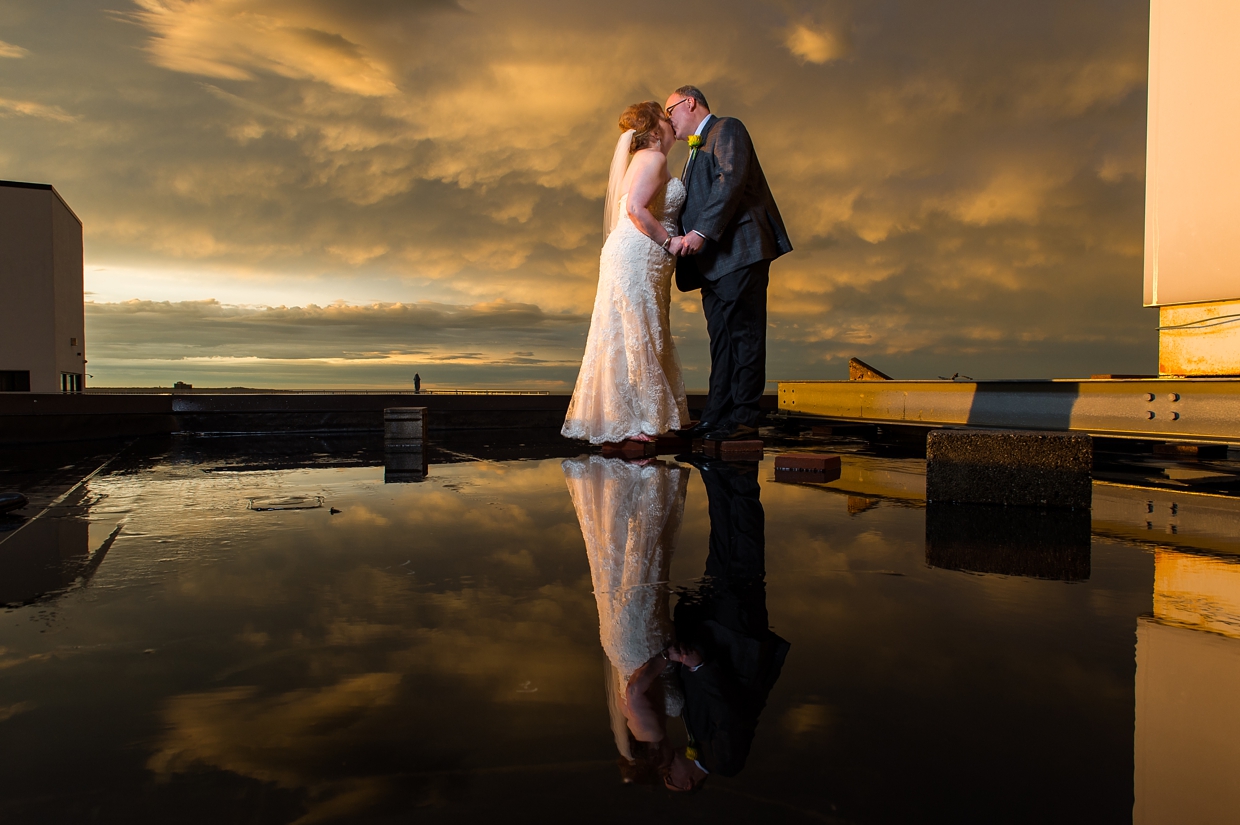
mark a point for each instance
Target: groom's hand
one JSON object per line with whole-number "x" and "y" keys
{"x": 692, "y": 243}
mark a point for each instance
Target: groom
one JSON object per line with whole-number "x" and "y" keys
{"x": 731, "y": 231}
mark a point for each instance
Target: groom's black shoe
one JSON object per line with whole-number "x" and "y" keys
{"x": 732, "y": 432}
{"x": 700, "y": 429}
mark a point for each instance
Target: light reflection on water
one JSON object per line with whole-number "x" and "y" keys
{"x": 437, "y": 645}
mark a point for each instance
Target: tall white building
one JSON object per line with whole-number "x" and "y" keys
{"x": 42, "y": 319}
{"x": 1192, "y": 185}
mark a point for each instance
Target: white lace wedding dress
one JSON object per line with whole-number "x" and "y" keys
{"x": 630, "y": 378}
{"x": 630, "y": 518}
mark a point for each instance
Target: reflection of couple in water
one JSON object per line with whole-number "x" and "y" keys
{"x": 715, "y": 663}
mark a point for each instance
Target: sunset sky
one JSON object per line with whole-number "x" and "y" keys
{"x": 339, "y": 193}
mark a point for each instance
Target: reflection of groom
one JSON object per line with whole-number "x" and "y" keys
{"x": 732, "y": 231}
{"x": 730, "y": 657}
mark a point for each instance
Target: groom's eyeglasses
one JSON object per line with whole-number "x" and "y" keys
{"x": 674, "y": 105}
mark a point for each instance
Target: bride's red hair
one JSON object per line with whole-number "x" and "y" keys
{"x": 644, "y": 119}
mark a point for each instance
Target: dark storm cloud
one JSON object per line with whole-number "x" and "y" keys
{"x": 962, "y": 180}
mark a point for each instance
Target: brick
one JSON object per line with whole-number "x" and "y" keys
{"x": 739, "y": 446}
{"x": 822, "y": 462}
{"x": 747, "y": 450}
{"x": 1010, "y": 467}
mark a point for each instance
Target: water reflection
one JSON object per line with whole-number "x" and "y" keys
{"x": 726, "y": 621}
{"x": 1187, "y": 742}
{"x": 630, "y": 516}
{"x": 717, "y": 668}
{"x": 1009, "y": 541}
{"x": 43, "y": 557}
{"x": 433, "y": 650}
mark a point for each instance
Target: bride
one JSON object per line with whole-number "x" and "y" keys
{"x": 630, "y": 385}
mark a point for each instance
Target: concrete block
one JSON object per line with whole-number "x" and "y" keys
{"x": 820, "y": 462}
{"x": 1010, "y": 467}
{"x": 1008, "y": 541}
{"x": 404, "y": 425}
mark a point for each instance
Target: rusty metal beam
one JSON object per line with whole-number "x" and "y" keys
{"x": 1205, "y": 410}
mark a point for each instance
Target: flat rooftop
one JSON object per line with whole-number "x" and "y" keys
{"x": 208, "y": 629}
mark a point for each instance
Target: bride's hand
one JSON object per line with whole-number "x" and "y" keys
{"x": 691, "y": 243}
{"x": 675, "y": 246}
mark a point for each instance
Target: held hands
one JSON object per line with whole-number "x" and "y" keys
{"x": 689, "y": 244}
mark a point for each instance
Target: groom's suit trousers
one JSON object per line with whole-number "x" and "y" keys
{"x": 727, "y": 620}
{"x": 735, "y": 307}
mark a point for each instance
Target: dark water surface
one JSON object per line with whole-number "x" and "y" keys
{"x": 432, "y": 652}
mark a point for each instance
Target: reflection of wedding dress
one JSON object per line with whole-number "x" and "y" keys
{"x": 630, "y": 378}
{"x": 630, "y": 517}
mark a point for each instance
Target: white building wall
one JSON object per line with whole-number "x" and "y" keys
{"x": 40, "y": 285}
{"x": 1192, "y": 187}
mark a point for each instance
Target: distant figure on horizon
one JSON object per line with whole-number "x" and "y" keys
{"x": 417, "y": 383}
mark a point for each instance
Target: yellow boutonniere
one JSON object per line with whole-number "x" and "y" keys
{"x": 694, "y": 142}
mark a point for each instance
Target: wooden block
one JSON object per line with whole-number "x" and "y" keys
{"x": 807, "y": 476}
{"x": 821, "y": 462}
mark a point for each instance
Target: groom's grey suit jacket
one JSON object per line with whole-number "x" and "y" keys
{"x": 729, "y": 202}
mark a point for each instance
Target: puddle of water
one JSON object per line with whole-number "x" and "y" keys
{"x": 464, "y": 646}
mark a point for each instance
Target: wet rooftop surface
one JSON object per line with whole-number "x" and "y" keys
{"x": 263, "y": 630}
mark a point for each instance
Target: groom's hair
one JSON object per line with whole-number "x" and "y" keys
{"x": 695, "y": 93}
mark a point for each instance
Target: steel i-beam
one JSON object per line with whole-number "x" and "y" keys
{"x": 1170, "y": 409}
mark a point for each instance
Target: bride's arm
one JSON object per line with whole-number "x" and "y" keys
{"x": 648, "y": 177}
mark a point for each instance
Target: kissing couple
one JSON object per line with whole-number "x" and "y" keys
{"x": 718, "y": 228}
